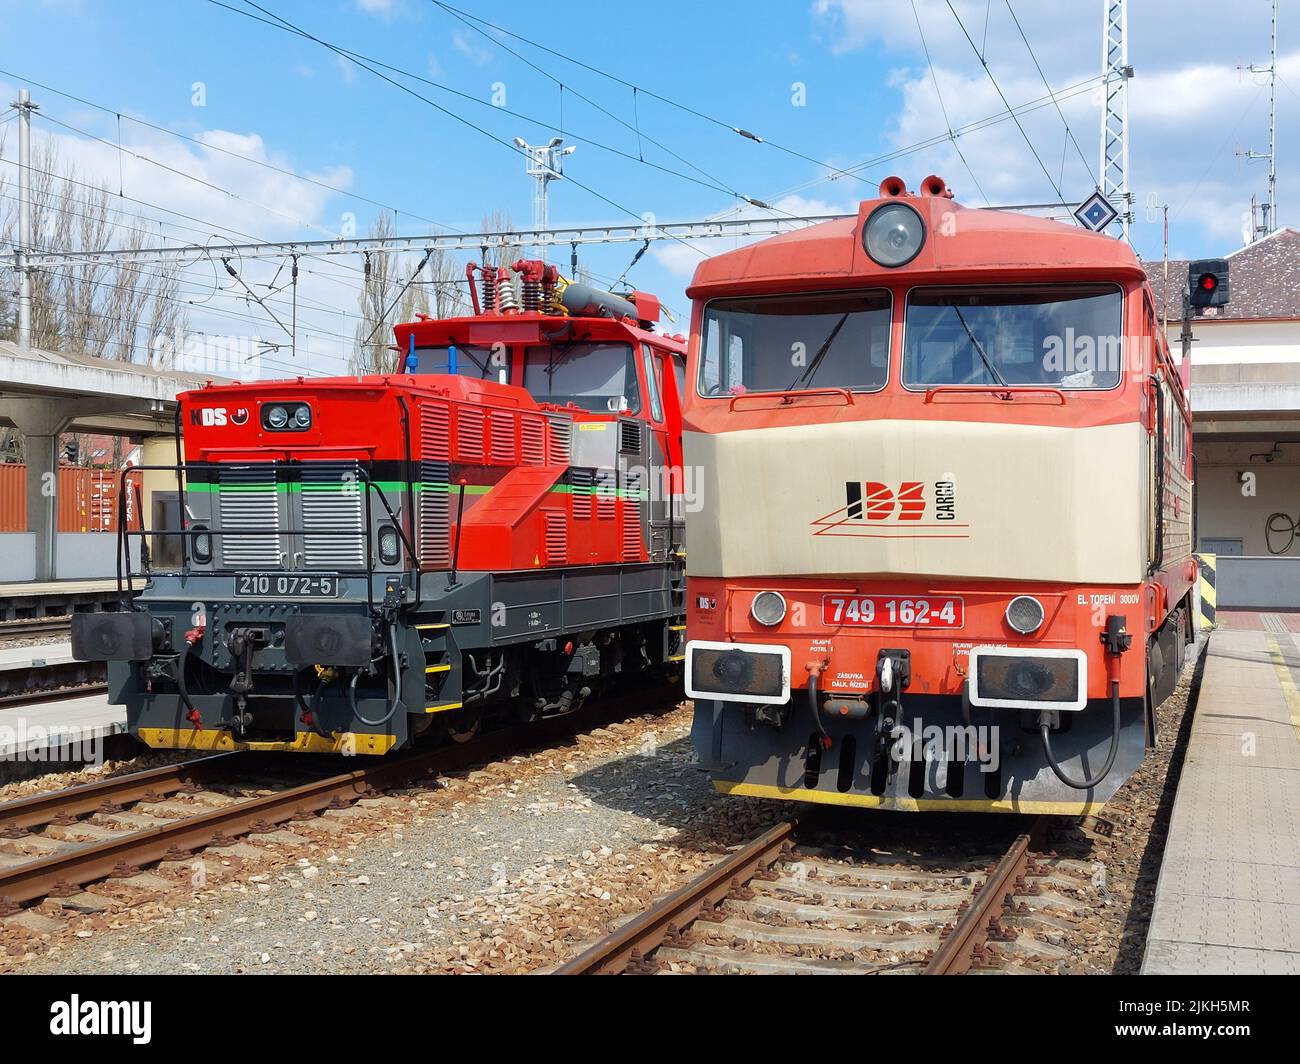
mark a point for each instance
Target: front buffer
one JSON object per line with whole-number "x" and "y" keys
{"x": 962, "y": 714}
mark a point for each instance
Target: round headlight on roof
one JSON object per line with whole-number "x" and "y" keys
{"x": 1025, "y": 614}
{"x": 768, "y": 608}
{"x": 277, "y": 417}
{"x": 893, "y": 235}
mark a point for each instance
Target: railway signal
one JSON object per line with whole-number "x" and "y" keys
{"x": 1207, "y": 283}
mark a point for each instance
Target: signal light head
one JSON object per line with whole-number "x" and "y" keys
{"x": 1208, "y": 283}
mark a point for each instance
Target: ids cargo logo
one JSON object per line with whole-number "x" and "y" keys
{"x": 911, "y": 509}
{"x": 215, "y": 416}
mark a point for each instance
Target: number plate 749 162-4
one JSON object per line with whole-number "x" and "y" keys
{"x": 893, "y": 611}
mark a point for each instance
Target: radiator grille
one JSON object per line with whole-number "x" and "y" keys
{"x": 435, "y": 432}
{"x": 629, "y": 437}
{"x": 332, "y": 502}
{"x": 580, "y": 483}
{"x": 632, "y": 541}
{"x": 503, "y": 436}
{"x": 248, "y": 500}
{"x": 606, "y": 495}
{"x": 533, "y": 440}
{"x": 469, "y": 434}
{"x": 557, "y": 536}
{"x": 435, "y": 515}
{"x": 561, "y": 439}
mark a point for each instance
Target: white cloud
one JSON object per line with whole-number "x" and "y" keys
{"x": 1190, "y": 107}
{"x": 347, "y": 69}
{"x": 680, "y": 258}
{"x": 470, "y": 48}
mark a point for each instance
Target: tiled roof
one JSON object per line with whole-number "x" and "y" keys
{"x": 1265, "y": 280}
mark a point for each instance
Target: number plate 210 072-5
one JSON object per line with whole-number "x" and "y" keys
{"x": 286, "y": 585}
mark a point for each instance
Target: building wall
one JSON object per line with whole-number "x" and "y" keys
{"x": 1224, "y": 512}
{"x": 1248, "y": 342}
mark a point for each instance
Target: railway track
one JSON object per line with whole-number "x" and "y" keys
{"x": 53, "y": 845}
{"x": 780, "y": 905}
{"x": 33, "y": 695}
{"x": 59, "y": 625}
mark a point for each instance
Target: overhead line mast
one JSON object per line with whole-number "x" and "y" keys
{"x": 1116, "y": 74}
{"x": 1269, "y": 223}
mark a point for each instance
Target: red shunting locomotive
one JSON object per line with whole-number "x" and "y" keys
{"x": 492, "y": 531}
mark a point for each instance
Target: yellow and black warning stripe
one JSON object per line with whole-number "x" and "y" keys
{"x": 1206, "y": 563}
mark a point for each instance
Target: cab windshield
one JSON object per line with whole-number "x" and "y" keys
{"x": 1062, "y": 336}
{"x": 595, "y": 376}
{"x": 469, "y": 361}
{"x": 795, "y": 343}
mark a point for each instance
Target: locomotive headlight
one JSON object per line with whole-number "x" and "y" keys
{"x": 768, "y": 608}
{"x": 302, "y": 417}
{"x": 1025, "y": 614}
{"x": 277, "y": 417}
{"x": 202, "y": 544}
{"x": 893, "y": 235}
{"x": 389, "y": 550}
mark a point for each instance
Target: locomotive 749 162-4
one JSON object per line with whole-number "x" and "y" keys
{"x": 943, "y": 555}
{"x": 492, "y": 530}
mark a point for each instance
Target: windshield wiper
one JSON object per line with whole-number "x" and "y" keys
{"x": 813, "y": 366}
{"x": 979, "y": 347}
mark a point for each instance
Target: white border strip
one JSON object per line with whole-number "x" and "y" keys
{"x": 1023, "y": 703}
{"x": 752, "y": 648}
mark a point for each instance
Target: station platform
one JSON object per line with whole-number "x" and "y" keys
{"x": 68, "y": 730}
{"x": 1228, "y": 896}
{"x": 57, "y": 598}
{"x": 35, "y": 657}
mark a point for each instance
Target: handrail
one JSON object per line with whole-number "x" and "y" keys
{"x": 997, "y": 391}
{"x": 124, "y": 565}
{"x": 785, "y": 398}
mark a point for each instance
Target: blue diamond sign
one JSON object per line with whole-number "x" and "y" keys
{"x": 1096, "y": 213}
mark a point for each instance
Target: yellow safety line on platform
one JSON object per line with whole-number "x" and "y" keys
{"x": 1289, "y": 691}
{"x": 907, "y": 805}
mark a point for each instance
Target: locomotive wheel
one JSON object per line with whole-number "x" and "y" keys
{"x": 463, "y": 725}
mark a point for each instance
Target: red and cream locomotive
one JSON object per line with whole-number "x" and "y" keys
{"x": 492, "y": 530}
{"x": 941, "y": 556}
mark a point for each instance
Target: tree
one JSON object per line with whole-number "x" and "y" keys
{"x": 93, "y": 308}
{"x": 89, "y": 309}
{"x": 396, "y": 288}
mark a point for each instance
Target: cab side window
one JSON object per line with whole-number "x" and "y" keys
{"x": 652, "y": 383}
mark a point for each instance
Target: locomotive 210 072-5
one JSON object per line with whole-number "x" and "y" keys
{"x": 491, "y": 532}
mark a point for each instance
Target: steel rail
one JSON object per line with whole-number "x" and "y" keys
{"x": 965, "y": 940}
{"x": 36, "y": 810}
{"x": 631, "y": 942}
{"x": 53, "y": 694}
{"x": 169, "y": 841}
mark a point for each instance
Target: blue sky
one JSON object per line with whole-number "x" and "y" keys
{"x": 835, "y": 82}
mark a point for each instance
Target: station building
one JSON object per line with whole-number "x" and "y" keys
{"x": 1245, "y": 383}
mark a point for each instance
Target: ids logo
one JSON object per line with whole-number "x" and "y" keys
{"x": 209, "y": 416}
{"x": 909, "y": 509}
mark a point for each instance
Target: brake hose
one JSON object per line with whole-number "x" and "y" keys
{"x": 1045, "y": 728}
{"x": 182, "y": 662}
{"x": 397, "y": 686}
